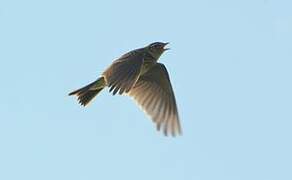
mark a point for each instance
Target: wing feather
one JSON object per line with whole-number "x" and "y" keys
{"x": 122, "y": 75}
{"x": 154, "y": 93}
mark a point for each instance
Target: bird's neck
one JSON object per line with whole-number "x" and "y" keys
{"x": 151, "y": 57}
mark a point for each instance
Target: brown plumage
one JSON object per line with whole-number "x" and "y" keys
{"x": 137, "y": 74}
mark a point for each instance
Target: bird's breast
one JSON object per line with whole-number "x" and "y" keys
{"x": 146, "y": 66}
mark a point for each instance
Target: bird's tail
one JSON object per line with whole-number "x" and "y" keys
{"x": 88, "y": 92}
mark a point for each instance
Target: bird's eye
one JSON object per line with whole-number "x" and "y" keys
{"x": 156, "y": 46}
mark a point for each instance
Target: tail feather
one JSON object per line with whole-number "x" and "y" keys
{"x": 87, "y": 93}
{"x": 82, "y": 90}
{"x": 86, "y": 97}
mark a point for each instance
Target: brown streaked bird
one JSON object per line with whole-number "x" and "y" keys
{"x": 139, "y": 75}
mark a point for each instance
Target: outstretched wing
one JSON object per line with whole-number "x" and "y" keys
{"x": 154, "y": 93}
{"x": 122, "y": 75}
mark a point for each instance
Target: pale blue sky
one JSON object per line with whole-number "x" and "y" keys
{"x": 230, "y": 66}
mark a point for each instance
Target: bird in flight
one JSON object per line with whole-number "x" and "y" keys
{"x": 139, "y": 75}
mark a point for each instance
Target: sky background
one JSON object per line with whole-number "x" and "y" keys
{"x": 229, "y": 63}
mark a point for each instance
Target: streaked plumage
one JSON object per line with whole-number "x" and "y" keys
{"x": 138, "y": 75}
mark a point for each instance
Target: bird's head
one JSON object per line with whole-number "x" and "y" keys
{"x": 157, "y": 48}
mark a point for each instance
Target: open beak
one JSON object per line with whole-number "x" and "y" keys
{"x": 165, "y": 44}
